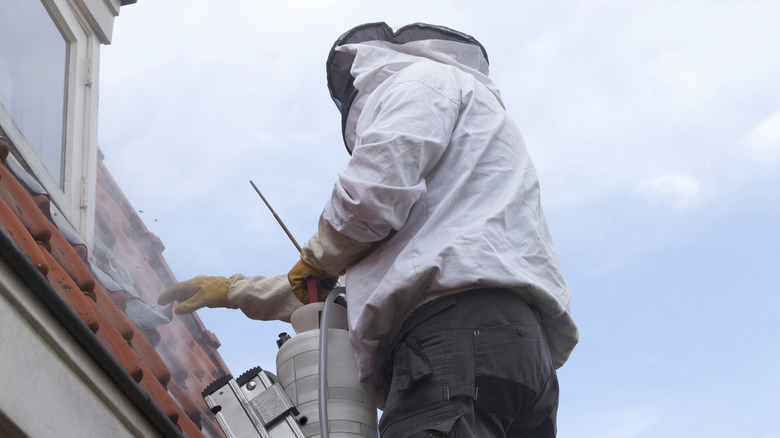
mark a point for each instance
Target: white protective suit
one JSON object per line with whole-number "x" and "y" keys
{"x": 441, "y": 179}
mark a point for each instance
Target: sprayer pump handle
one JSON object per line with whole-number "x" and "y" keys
{"x": 313, "y": 289}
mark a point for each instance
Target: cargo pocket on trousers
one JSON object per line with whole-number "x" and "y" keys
{"x": 439, "y": 429}
{"x": 411, "y": 364}
{"x": 437, "y": 422}
{"x": 511, "y": 365}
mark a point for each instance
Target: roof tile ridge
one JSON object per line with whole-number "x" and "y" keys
{"x": 23, "y": 206}
{"x": 71, "y": 261}
{"x": 80, "y": 302}
{"x": 191, "y": 407}
{"x": 118, "y": 346}
{"x": 11, "y": 225}
{"x": 117, "y": 317}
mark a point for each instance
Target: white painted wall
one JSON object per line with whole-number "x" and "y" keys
{"x": 49, "y": 386}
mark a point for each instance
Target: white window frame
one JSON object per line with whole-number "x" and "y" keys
{"x": 85, "y": 24}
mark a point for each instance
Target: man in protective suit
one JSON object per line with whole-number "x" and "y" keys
{"x": 458, "y": 311}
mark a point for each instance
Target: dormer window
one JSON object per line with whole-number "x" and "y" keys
{"x": 33, "y": 79}
{"x": 49, "y": 57}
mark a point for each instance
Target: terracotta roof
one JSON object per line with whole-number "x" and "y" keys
{"x": 172, "y": 358}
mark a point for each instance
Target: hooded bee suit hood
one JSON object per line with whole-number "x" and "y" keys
{"x": 439, "y": 185}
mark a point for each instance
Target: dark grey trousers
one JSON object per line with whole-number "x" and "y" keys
{"x": 473, "y": 364}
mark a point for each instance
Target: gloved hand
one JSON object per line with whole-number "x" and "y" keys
{"x": 201, "y": 291}
{"x": 325, "y": 256}
{"x": 299, "y": 275}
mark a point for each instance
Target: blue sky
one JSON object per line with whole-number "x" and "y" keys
{"x": 655, "y": 128}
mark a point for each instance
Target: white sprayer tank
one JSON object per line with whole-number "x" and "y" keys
{"x": 351, "y": 412}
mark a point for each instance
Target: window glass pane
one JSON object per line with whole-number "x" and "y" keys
{"x": 33, "y": 77}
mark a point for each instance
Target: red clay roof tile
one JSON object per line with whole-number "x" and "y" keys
{"x": 118, "y": 298}
{"x": 11, "y": 225}
{"x": 179, "y": 371}
{"x": 209, "y": 424}
{"x": 24, "y": 207}
{"x": 205, "y": 361}
{"x": 71, "y": 262}
{"x": 187, "y": 426}
{"x": 151, "y": 358}
{"x": 191, "y": 407}
{"x": 159, "y": 394}
{"x": 71, "y": 293}
{"x": 118, "y": 318}
{"x": 183, "y": 355}
{"x": 153, "y": 336}
{"x": 118, "y": 347}
{"x": 209, "y": 339}
{"x": 44, "y": 204}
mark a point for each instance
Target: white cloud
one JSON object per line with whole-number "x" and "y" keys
{"x": 763, "y": 142}
{"x": 611, "y": 94}
{"x": 678, "y": 190}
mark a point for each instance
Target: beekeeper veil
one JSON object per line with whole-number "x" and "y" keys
{"x": 339, "y": 67}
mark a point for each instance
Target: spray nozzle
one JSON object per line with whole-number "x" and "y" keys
{"x": 283, "y": 337}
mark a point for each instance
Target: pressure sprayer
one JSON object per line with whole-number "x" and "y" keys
{"x": 317, "y": 392}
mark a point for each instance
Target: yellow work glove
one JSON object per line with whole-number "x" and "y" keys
{"x": 301, "y": 272}
{"x": 201, "y": 291}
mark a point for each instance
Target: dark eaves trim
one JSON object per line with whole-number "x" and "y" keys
{"x": 20, "y": 263}
{"x": 127, "y": 2}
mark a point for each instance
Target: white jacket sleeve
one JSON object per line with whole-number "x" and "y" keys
{"x": 331, "y": 251}
{"x": 397, "y": 146}
{"x": 263, "y": 298}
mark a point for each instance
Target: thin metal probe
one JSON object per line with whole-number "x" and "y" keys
{"x": 278, "y": 219}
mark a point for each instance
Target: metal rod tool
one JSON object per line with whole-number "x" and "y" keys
{"x": 278, "y": 219}
{"x": 311, "y": 282}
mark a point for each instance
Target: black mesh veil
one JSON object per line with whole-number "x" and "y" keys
{"x": 339, "y": 63}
